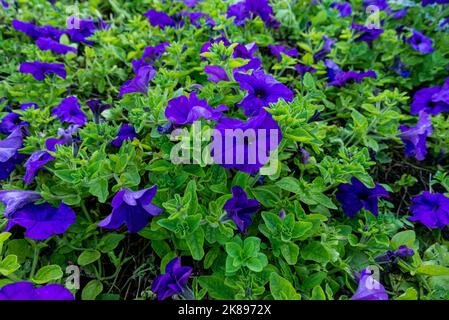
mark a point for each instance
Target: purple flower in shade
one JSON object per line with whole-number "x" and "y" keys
{"x": 55, "y": 46}
{"x": 345, "y": 9}
{"x": 239, "y": 12}
{"x": 17, "y": 199}
{"x": 263, "y": 9}
{"x": 302, "y": 69}
{"x": 381, "y": 4}
{"x": 431, "y": 209}
{"x": 400, "y": 68}
{"x": 356, "y": 196}
{"x": 190, "y": 3}
{"x": 366, "y": 34}
{"x": 277, "y": 50}
{"x": 216, "y": 73}
{"x": 133, "y": 208}
{"x": 41, "y": 221}
{"x": 26, "y": 291}
{"x": 69, "y": 111}
{"x": 420, "y": 42}
{"x": 173, "y": 281}
{"x": 65, "y": 138}
{"x": 40, "y": 69}
{"x": 369, "y": 288}
{"x": 427, "y": 2}
{"x": 246, "y": 52}
{"x": 186, "y": 110}
{"x": 196, "y": 17}
{"x": 34, "y": 163}
{"x": 262, "y": 89}
{"x": 339, "y": 78}
{"x": 305, "y": 156}
{"x": 240, "y": 209}
{"x": 126, "y": 132}
{"x": 152, "y": 53}
{"x": 414, "y": 138}
{"x": 245, "y": 146}
{"x": 11, "y": 122}
{"x": 325, "y": 50}
{"x": 399, "y": 14}
{"x": 97, "y": 107}
{"x": 159, "y": 19}
{"x": 433, "y": 100}
{"x": 5, "y": 4}
{"x": 392, "y": 256}
{"x": 9, "y": 153}
{"x": 140, "y": 82}
{"x": 36, "y": 32}
{"x": 81, "y": 29}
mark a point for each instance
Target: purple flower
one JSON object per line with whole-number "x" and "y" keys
{"x": 369, "y": 288}
{"x": 240, "y": 209}
{"x": 431, "y": 209}
{"x": 427, "y": 2}
{"x": 381, "y": 4}
{"x": 245, "y": 146}
{"x": 40, "y": 69}
{"x": 239, "y": 12}
{"x": 26, "y": 291}
{"x": 159, "y": 19}
{"x": 173, "y": 281}
{"x": 400, "y": 68}
{"x": 183, "y": 110}
{"x": 11, "y": 122}
{"x": 248, "y": 9}
{"x": 140, "y": 82}
{"x": 345, "y": 9}
{"x": 246, "y": 52}
{"x": 195, "y": 18}
{"x": 36, "y": 32}
{"x": 206, "y": 46}
{"x": 420, "y": 42}
{"x": 55, "y": 46}
{"x": 392, "y": 257}
{"x": 97, "y": 107}
{"x": 69, "y": 111}
{"x": 5, "y": 4}
{"x": 9, "y": 153}
{"x": 81, "y": 29}
{"x": 433, "y": 100}
{"x": 262, "y": 89}
{"x": 366, "y": 34}
{"x": 41, "y": 221}
{"x": 16, "y": 199}
{"x": 133, "y": 208}
{"x": 414, "y": 138}
{"x": 152, "y": 53}
{"x": 356, "y": 196}
{"x": 126, "y": 132}
{"x": 340, "y": 78}
{"x": 34, "y": 163}
{"x": 190, "y": 3}
{"x": 65, "y": 137}
{"x": 276, "y": 51}
{"x": 216, "y": 73}
{"x": 325, "y": 50}
{"x": 302, "y": 69}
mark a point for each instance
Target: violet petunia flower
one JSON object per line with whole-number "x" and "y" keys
{"x": 303, "y": 69}
{"x": 239, "y": 12}
{"x": 432, "y": 100}
{"x": 429, "y": 2}
{"x": 415, "y": 137}
{"x": 69, "y": 111}
{"x": 152, "y": 53}
{"x": 392, "y": 256}
{"x": 431, "y": 209}
{"x": 344, "y": 9}
{"x": 216, "y": 73}
{"x": 36, "y": 32}
{"x": 248, "y": 9}
{"x": 17, "y": 199}
{"x": 400, "y": 68}
{"x": 196, "y": 17}
{"x": 369, "y": 288}
{"x": 9, "y": 153}
{"x": 339, "y": 78}
{"x": 41, "y": 221}
{"x": 366, "y": 34}
{"x": 134, "y": 208}
{"x": 126, "y": 132}
{"x": 262, "y": 89}
{"x": 420, "y": 42}
{"x": 140, "y": 82}
{"x": 187, "y": 110}
{"x": 173, "y": 281}
{"x": 247, "y": 52}
{"x": 356, "y": 196}
{"x": 26, "y": 291}
{"x": 97, "y": 107}
{"x": 13, "y": 121}
{"x": 40, "y": 69}
{"x": 245, "y": 146}
{"x": 240, "y": 209}
{"x": 5, "y": 4}
{"x": 325, "y": 49}
{"x": 35, "y": 162}
{"x": 159, "y": 19}
{"x": 81, "y": 29}
{"x": 190, "y": 3}
{"x": 55, "y": 46}
{"x": 64, "y": 137}
{"x": 278, "y": 50}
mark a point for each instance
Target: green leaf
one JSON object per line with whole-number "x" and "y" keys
{"x": 47, "y": 274}
{"x": 282, "y": 289}
{"x": 403, "y": 238}
{"x": 290, "y": 252}
{"x": 233, "y": 249}
{"x": 88, "y": 256}
{"x": 92, "y": 290}
{"x": 433, "y": 270}
{"x": 9, "y": 265}
{"x": 290, "y": 184}
{"x": 318, "y": 293}
{"x": 315, "y": 251}
{"x": 409, "y": 294}
{"x": 99, "y": 188}
{"x": 257, "y": 264}
{"x": 216, "y": 287}
{"x": 301, "y": 228}
{"x": 109, "y": 242}
{"x": 195, "y": 242}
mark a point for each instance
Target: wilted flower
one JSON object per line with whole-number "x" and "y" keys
{"x": 414, "y": 138}
{"x": 431, "y": 209}
{"x": 26, "y": 291}
{"x": 55, "y": 46}
{"x": 240, "y": 209}
{"x": 216, "y": 73}
{"x": 369, "y": 288}
{"x": 140, "y": 82}
{"x": 356, "y": 196}
{"x": 16, "y": 199}
{"x": 186, "y": 110}
{"x": 345, "y": 9}
{"x": 126, "y": 132}
{"x": 41, "y": 221}
{"x": 40, "y": 69}
{"x": 69, "y": 111}
{"x": 277, "y": 50}
{"x": 160, "y": 19}
{"x": 420, "y": 42}
{"x": 262, "y": 89}
{"x": 173, "y": 281}
{"x": 134, "y": 208}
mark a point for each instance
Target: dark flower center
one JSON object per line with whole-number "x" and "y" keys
{"x": 260, "y": 93}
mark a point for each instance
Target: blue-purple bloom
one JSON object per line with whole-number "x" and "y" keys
{"x": 415, "y": 137}
{"x": 240, "y": 209}
{"x": 140, "y": 82}
{"x": 278, "y": 50}
{"x": 27, "y": 291}
{"x": 40, "y": 69}
{"x": 303, "y": 69}
{"x": 134, "y": 208}
{"x": 366, "y": 34}
{"x": 420, "y": 42}
{"x": 36, "y": 32}
{"x": 55, "y": 46}
{"x": 216, "y": 73}
{"x": 64, "y": 137}
{"x": 340, "y": 78}
{"x": 126, "y": 132}
{"x": 369, "y": 288}
{"x": 432, "y": 100}
{"x": 248, "y": 9}
{"x": 173, "y": 281}
{"x": 325, "y": 49}
{"x": 427, "y": 2}
{"x": 9, "y": 153}
{"x": 400, "y": 68}
{"x": 392, "y": 256}
{"x": 35, "y": 162}
{"x": 17, "y": 199}
{"x": 262, "y": 89}
{"x": 345, "y": 8}
{"x": 69, "y": 111}
{"x": 159, "y": 19}
{"x": 431, "y": 209}
{"x": 196, "y": 17}
{"x": 152, "y": 53}
{"x": 81, "y": 29}
{"x": 356, "y": 196}
{"x": 97, "y": 107}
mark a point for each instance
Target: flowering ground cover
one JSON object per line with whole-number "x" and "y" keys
{"x": 209, "y": 149}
